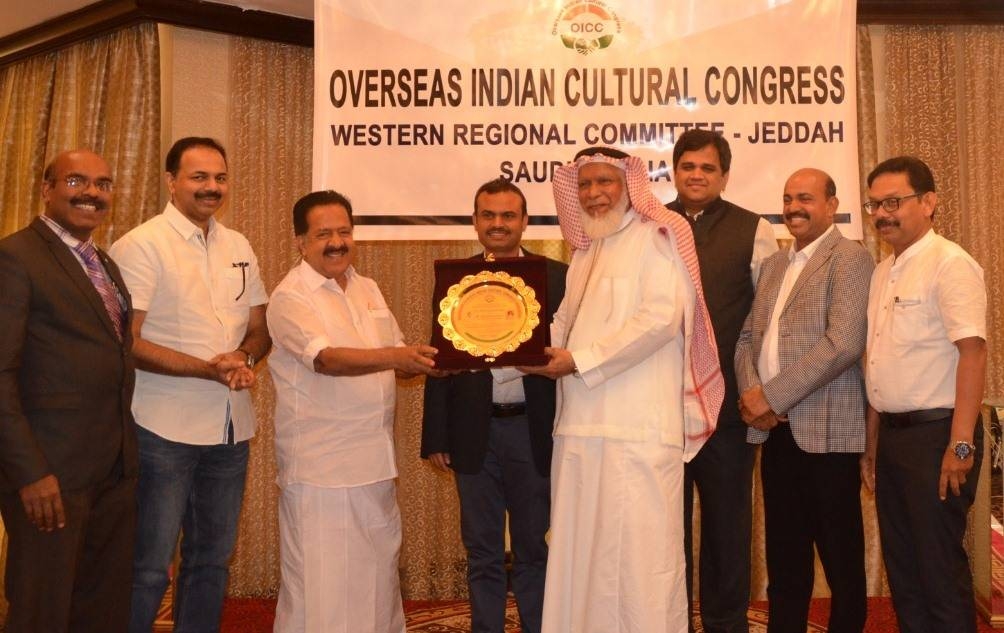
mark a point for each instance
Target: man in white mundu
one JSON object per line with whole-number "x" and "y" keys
{"x": 639, "y": 391}
{"x": 337, "y": 349}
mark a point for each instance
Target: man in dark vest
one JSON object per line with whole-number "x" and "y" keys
{"x": 731, "y": 244}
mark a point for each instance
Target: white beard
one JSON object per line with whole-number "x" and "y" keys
{"x": 598, "y": 228}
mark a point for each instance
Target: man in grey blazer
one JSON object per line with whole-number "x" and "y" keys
{"x": 802, "y": 395}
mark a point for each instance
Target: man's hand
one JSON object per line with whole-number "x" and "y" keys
{"x": 867, "y": 463}
{"x": 560, "y": 364}
{"x": 753, "y": 405}
{"x": 231, "y": 370}
{"x": 43, "y": 503}
{"x": 765, "y": 422}
{"x": 440, "y": 460}
{"x": 953, "y": 472}
{"x": 412, "y": 360}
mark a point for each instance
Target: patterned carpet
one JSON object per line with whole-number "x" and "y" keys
{"x": 256, "y": 616}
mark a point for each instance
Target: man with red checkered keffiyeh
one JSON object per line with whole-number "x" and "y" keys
{"x": 639, "y": 392}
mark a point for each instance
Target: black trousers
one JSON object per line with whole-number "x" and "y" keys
{"x": 812, "y": 501}
{"x": 508, "y": 482}
{"x": 723, "y": 474}
{"x": 927, "y": 566}
{"x": 76, "y": 579}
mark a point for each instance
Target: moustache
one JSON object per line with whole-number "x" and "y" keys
{"x": 339, "y": 251}
{"x": 796, "y": 214}
{"x": 208, "y": 195}
{"x": 99, "y": 204}
{"x": 881, "y": 223}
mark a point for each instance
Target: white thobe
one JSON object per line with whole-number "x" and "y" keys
{"x": 616, "y": 559}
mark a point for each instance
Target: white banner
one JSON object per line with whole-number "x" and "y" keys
{"x": 417, "y": 104}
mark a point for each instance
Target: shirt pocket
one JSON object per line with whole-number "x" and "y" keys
{"x": 383, "y": 324}
{"x": 910, "y": 320}
{"x": 236, "y": 290}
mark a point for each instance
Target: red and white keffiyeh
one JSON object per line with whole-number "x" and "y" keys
{"x": 704, "y": 386}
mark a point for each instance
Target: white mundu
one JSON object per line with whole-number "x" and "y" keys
{"x": 616, "y": 552}
{"x": 340, "y": 527}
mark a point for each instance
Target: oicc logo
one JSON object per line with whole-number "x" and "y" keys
{"x": 586, "y": 26}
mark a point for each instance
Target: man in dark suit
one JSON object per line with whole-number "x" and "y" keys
{"x": 493, "y": 428}
{"x": 802, "y": 395}
{"x": 68, "y": 461}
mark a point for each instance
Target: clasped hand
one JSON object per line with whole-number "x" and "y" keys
{"x": 231, "y": 370}
{"x": 756, "y": 411}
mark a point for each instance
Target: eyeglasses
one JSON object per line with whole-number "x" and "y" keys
{"x": 889, "y": 204}
{"x": 103, "y": 185}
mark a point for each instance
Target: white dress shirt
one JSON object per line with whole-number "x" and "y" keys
{"x": 764, "y": 245}
{"x": 197, "y": 294}
{"x": 507, "y": 382}
{"x": 331, "y": 431}
{"x": 919, "y": 305}
{"x": 769, "y": 365}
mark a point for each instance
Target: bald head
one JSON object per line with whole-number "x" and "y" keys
{"x": 77, "y": 191}
{"x": 810, "y": 203}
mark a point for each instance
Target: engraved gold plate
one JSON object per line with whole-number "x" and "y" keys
{"x": 489, "y": 313}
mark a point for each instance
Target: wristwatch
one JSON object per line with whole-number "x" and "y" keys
{"x": 964, "y": 449}
{"x": 250, "y": 360}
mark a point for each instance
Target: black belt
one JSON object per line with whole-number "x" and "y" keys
{"x": 508, "y": 409}
{"x": 910, "y": 418}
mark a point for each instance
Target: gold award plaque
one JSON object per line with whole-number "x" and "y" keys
{"x": 489, "y": 313}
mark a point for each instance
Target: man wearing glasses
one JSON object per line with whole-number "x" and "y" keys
{"x": 67, "y": 444}
{"x": 199, "y": 328}
{"x": 924, "y": 374}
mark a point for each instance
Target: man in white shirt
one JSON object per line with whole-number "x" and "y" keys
{"x": 925, "y": 373}
{"x": 731, "y": 245}
{"x": 199, "y": 328}
{"x": 797, "y": 364}
{"x": 623, "y": 357}
{"x": 337, "y": 349}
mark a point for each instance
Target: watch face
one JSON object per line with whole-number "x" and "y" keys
{"x": 963, "y": 450}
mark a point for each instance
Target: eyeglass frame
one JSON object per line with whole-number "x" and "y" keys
{"x": 872, "y": 206}
{"x": 104, "y": 185}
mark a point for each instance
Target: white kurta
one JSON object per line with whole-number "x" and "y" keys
{"x": 616, "y": 562}
{"x": 339, "y": 524}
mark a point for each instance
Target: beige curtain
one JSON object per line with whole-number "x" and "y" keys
{"x": 103, "y": 94}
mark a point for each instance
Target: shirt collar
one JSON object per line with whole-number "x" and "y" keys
{"x": 710, "y": 209}
{"x": 811, "y": 248}
{"x": 915, "y": 248}
{"x": 185, "y": 227}
{"x": 62, "y": 233}
{"x": 314, "y": 280}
